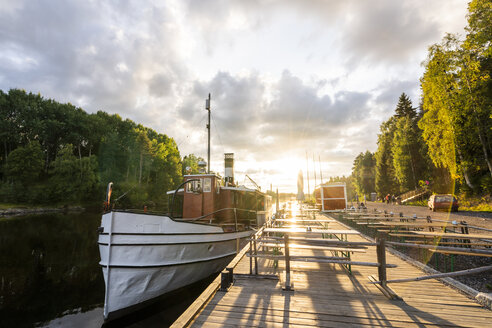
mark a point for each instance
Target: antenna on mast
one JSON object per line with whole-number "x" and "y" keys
{"x": 207, "y": 107}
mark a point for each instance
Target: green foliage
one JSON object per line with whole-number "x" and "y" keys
{"x": 457, "y": 106}
{"x": 404, "y": 108}
{"x": 457, "y": 102}
{"x": 364, "y": 173}
{"x": 65, "y": 155}
{"x": 191, "y": 162}
{"x": 409, "y": 154}
{"x": 386, "y": 181}
{"x": 436, "y": 123}
{"x": 25, "y": 164}
{"x": 73, "y": 178}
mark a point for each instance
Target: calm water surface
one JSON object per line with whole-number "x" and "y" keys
{"x": 50, "y": 276}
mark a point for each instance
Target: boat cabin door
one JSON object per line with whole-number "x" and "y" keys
{"x": 199, "y": 196}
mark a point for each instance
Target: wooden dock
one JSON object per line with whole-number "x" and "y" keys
{"x": 326, "y": 295}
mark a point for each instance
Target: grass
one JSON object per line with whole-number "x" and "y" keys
{"x": 476, "y": 204}
{"x": 417, "y": 203}
{"x": 477, "y": 208}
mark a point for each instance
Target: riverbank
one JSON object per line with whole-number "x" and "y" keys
{"x": 14, "y": 211}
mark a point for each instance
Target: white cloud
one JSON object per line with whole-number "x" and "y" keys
{"x": 286, "y": 77}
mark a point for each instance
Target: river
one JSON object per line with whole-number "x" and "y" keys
{"x": 50, "y": 276}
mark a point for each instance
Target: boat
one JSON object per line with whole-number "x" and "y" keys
{"x": 146, "y": 255}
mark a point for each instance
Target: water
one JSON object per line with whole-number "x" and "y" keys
{"x": 50, "y": 276}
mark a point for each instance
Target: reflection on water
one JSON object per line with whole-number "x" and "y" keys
{"x": 48, "y": 267}
{"x": 50, "y": 276}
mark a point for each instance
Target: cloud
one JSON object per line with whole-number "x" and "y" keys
{"x": 296, "y": 118}
{"x": 285, "y": 76}
{"x": 87, "y": 51}
{"x": 382, "y": 31}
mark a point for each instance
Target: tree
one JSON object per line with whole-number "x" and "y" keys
{"x": 190, "y": 164}
{"x": 363, "y": 172}
{"x": 71, "y": 178}
{"x": 475, "y": 72}
{"x": 404, "y": 107}
{"x": 79, "y": 151}
{"x": 409, "y": 155}
{"x": 456, "y": 121}
{"x": 25, "y": 164}
{"x": 386, "y": 181}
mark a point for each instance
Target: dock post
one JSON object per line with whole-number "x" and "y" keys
{"x": 230, "y": 271}
{"x": 381, "y": 255}
{"x": 288, "y": 285}
{"x": 226, "y": 279}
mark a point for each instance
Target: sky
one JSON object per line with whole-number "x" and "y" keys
{"x": 289, "y": 80}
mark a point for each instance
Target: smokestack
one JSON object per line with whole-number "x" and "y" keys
{"x": 229, "y": 168}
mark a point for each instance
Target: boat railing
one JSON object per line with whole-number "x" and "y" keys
{"x": 203, "y": 217}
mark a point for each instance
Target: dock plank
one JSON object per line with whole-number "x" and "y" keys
{"x": 325, "y": 295}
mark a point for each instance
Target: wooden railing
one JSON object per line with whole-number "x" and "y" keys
{"x": 413, "y": 194}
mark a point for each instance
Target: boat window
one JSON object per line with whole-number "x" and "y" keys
{"x": 194, "y": 186}
{"x": 207, "y": 185}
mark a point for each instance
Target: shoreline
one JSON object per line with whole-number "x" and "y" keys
{"x": 39, "y": 210}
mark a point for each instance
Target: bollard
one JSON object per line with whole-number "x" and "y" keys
{"x": 224, "y": 281}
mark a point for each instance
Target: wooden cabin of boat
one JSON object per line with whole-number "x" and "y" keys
{"x": 210, "y": 199}
{"x": 331, "y": 197}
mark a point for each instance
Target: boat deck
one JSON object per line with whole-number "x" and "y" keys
{"x": 326, "y": 295}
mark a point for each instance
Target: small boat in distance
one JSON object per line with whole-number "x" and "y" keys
{"x": 144, "y": 256}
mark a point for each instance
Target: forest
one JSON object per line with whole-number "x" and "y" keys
{"x": 53, "y": 153}
{"x": 444, "y": 143}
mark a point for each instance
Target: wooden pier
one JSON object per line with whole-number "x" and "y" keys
{"x": 328, "y": 295}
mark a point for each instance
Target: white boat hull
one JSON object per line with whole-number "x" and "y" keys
{"x": 145, "y": 256}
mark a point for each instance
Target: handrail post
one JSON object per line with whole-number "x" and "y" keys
{"x": 250, "y": 256}
{"x": 288, "y": 285}
{"x": 256, "y": 253}
{"x": 381, "y": 255}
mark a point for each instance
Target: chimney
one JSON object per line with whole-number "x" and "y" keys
{"x": 229, "y": 168}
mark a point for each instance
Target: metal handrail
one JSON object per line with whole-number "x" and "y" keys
{"x": 220, "y": 210}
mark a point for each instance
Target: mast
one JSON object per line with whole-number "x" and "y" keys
{"x": 320, "y": 172}
{"x": 314, "y": 169}
{"x": 207, "y": 107}
{"x": 307, "y": 170}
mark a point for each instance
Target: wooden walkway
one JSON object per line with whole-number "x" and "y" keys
{"x": 325, "y": 295}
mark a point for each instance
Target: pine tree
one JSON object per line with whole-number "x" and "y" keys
{"x": 404, "y": 107}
